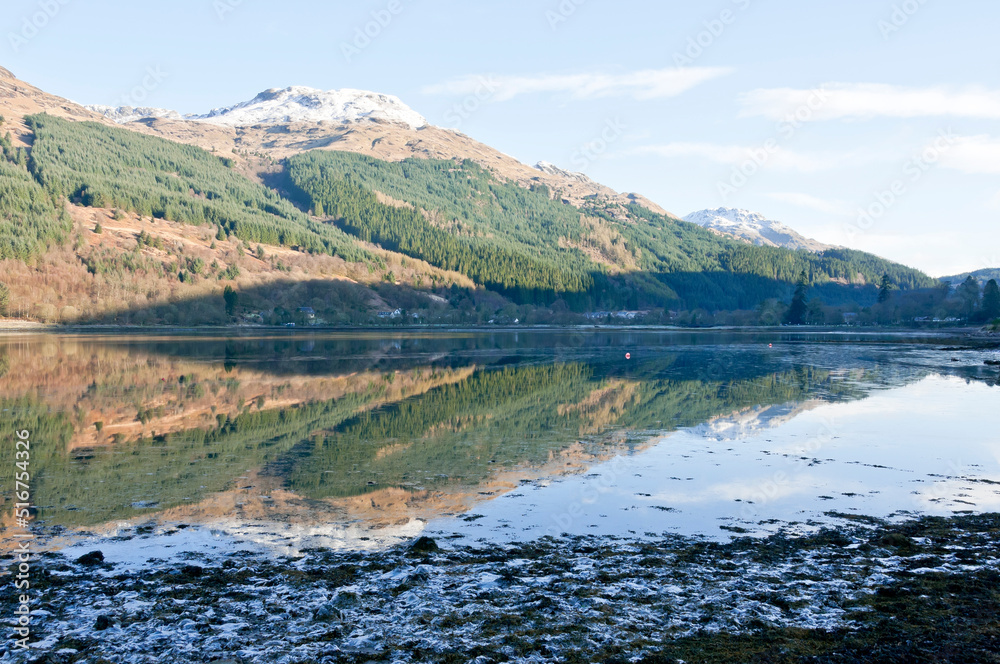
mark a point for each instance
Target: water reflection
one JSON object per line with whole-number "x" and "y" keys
{"x": 350, "y": 436}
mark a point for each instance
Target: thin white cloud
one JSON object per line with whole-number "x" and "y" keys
{"x": 973, "y": 155}
{"x": 640, "y": 85}
{"x": 735, "y": 155}
{"x": 803, "y": 200}
{"x": 833, "y": 101}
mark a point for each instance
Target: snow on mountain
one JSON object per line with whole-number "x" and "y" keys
{"x": 754, "y": 228}
{"x": 552, "y": 169}
{"x": 301, "y": 104}
{"x": 124, "y": 114}
{"x": 284, "y": 106}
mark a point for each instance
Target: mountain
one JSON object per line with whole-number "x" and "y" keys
{"x": 301, "y": 104}
{"x": 18, "y": 99}
{"x": 280, "y": 123}
{"x": 754, "y": 228}
{"x": 110, "y": 218}
{"x": 982, "y": 276}
{"x": 126, "y": 114}
{"x": 288, "y": 105}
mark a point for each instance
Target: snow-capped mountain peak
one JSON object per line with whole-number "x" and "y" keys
{"x": 283, "y": 106}
{"x": 302, "y": 104}
{"x": 754, "y": 228}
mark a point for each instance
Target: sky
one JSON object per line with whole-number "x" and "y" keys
{"x": 873, "y": 124}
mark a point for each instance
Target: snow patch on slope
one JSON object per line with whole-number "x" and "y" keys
{"x": 125, "y": 114}
{"x": 552, "y": 169}
{"x": 284, "y": 106}
{"x": 754, "y": 228}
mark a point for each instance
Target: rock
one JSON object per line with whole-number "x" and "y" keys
{"x": 91, "y": 559}
{"x": 425, "y": 545}
{"x": 103, "y": 622}
{"x": 192, "y": 570}
{"x": 327, "y": 613}
{"x": 344, "y": 601}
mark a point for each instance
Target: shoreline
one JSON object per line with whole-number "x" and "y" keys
{"x": 921, "y": 590}
{"x": 7, "y": 326}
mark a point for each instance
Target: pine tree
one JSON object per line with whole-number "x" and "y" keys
{"x": 969, "y": 294}
{"x": 991, "y": 300}
{"x": 799, "y": 309}
{"x": 885, "y": 289}
{"x": 231, "y": 298}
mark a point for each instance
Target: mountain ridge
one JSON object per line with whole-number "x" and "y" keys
{"x": 755, "y": 228}
{"x": 277, "y": 106}
{"x": 367, "y": 216}
{"x": 982, "y": 276}
{"x": 255, "y": 147}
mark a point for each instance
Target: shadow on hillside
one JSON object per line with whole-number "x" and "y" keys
{"x": 344, "y": 303}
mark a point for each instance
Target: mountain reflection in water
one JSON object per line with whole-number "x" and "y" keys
{"x": 360, "y": 435}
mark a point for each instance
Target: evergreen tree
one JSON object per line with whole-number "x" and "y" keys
{"x": 799, "y": 309}
{"x": 968, "y": 292}
{"x": 991, "y": 300}
{"x": 231, "y": 298}
{"x": 885, "y": 289}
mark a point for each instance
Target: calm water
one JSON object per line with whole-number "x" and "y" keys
{"x": 362, "y": 440}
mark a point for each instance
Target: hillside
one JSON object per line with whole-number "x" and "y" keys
{"x": 982, "y": 276}
{"x": 103, "y": 221}
{"x": 535, "y": 248}
{"x": 280, "y": 123}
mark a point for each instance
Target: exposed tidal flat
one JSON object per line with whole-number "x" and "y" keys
{"x": 513, "y": 496}
{"x": 875, "y": 592}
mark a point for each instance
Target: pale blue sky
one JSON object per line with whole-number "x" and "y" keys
{"x": 554, "y": 76}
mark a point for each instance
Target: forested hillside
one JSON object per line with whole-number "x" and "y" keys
{"x": 464, "y": 225}
{"x": 108, "y": 167}
{"x": 534, "y": 248}
{"x": 501, "y": 236}
{"x": 29, "y": 219}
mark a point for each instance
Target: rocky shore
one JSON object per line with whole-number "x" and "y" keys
{"x": 924, "y": 590}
